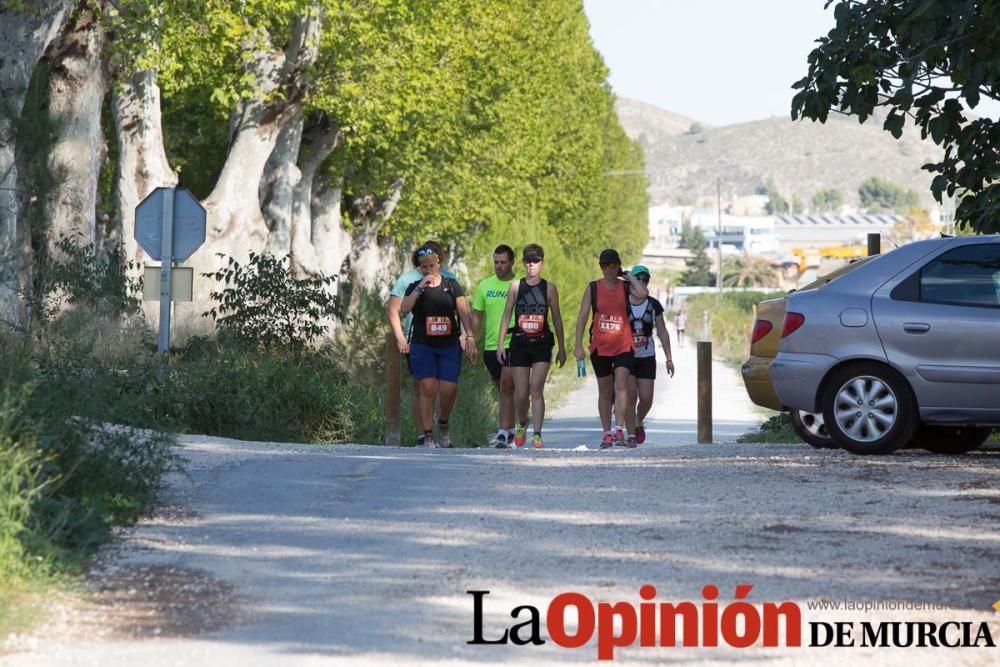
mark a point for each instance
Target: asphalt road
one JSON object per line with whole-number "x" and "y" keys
{"x": 278, "y": 554}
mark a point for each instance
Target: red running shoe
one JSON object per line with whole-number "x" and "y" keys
{"x": 640, "y": 434}
{"x": 607, "y": 442}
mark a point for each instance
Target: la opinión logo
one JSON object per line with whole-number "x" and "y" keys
{"x": 706, "y": 623}
{"x": 738, "y": 624}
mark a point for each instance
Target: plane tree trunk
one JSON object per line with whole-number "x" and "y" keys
{"x": 24, "y": 37}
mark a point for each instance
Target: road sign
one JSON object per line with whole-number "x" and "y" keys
{"x": 181, "y": 283}
{"x": 169, "y": 225}
{"x": 188, "y": 227}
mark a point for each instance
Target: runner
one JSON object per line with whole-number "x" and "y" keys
{"x": 530, "y": 301}
{"x": 680, "y": 323}
{"x": 401, "y": 329}
{"x": 611, "y": 351}
{"x": 436, "y": 343}
{"x": 491, "y": 297}
{"x": 644, "y": 314}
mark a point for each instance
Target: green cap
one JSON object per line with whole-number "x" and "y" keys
{"x": 639, "y": 268}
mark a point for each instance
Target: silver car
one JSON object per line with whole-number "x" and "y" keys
{"x": 902, "y": 351}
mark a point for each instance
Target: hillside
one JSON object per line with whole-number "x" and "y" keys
{"x": 648, "y": 123}
{"x": 801, "y": 157}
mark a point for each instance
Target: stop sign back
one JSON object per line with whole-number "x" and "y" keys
{"x": 189, "y": 224}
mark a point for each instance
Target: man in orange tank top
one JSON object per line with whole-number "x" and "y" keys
{"x": 611, "y": 349}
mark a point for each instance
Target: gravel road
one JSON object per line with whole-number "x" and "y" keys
{"x": 279, "y": 554}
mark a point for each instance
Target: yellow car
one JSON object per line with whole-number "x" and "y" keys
{"x": 764, "y": 342}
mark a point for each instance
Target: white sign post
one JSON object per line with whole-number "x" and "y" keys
{"x": 169, "y": 225}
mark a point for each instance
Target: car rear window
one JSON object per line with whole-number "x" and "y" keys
{"x": 838, "y": 273}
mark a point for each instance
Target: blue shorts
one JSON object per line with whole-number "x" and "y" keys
{"x": 443, "y": 363}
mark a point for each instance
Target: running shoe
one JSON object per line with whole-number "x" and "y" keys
{"x": 429, "y": 442}
{"x": 421, "y": 440}
{"x": 444, "y": 438}
{"x": 500, "y": 441}
{"x": 619, "y": 438}
{"x": 607, "y": 442}
{"x": 536, "y": 441}
{"x": 520, "y": 435}
{"x": 631, "y": 442}
{"x": 640, "y": 434}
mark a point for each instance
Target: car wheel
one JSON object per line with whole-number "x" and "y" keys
{"x": 811, "y": 428}
{"x": 869, "y": 408}
{"x": 949, "y": 439}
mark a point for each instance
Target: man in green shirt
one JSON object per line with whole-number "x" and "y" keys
{"x": 491, "y": 297}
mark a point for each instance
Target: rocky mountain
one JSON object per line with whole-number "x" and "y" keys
{"x": 684, "y": 158}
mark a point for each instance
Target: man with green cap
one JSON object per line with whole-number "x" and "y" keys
{"x": 645, "y": 314}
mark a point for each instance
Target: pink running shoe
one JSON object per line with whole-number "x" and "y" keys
{"x": 631, "y": 443}
{"x": 607, "y": 442}
{"x": 640, "y": 434}
{"x": 619, "y": 438}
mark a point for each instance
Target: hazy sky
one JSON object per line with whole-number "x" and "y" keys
{"x": 717, "y": 61}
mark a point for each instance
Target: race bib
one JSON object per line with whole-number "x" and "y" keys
{"x": 532, "y": 325}
{"x": 438, "y": 326}
{"x": 611, "y": 324}
{"x": 640, "y": 341}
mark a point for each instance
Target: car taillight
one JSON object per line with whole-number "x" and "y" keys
{"x": 792, "y": 322}
{"x": 760, "y": 329}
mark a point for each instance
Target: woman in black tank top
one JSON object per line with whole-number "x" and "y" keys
{"x": 531, "y": 321}
{"x": 527, "y": 314}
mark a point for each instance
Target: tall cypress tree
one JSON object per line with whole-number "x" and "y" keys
{"x": 698, "y": 269}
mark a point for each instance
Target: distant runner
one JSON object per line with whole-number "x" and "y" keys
{"x": 644, "y": 315}
{"x": 436, "y": 343}
{"x": 529, "y": 302}
{"x": 680, "y": 323}
{"x": 611, "y": 348}
{"x": 490, "y": 299}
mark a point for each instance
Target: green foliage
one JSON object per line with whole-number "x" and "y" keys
{"x": 776, "y": 204}
{"x": 879, "y": 195}
{"x": 488, "y": 114}
{"x": 730, "y": 320}
{"x": 698, "y": 267}
{"x": 265, "y": 306}
{"x": 921, "y": 62}
{"x": 827, "y": 201}
{"x": 748, "y": 271}
{"x": 78, "y": 275}
{"x": 777, "y": 429}
{"x": 20, "y": 463}
{"x": 89, "y": 474}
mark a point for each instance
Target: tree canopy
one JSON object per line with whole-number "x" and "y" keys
{"x": 879, "y": 195}
{"x": 927, "y": 63}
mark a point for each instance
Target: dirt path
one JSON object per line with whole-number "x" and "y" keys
{"x": 276, "y": 554}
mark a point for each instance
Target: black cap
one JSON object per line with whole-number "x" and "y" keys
{"x": 610, "y": 255}
{"x": 532, "y": 256}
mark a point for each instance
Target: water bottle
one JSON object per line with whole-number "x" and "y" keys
{"x": 581, "y": 369}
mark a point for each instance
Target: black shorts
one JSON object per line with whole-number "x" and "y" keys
{"x": 525, "y": 357}
{"x": 605, "y": 366}
{"x": 644, "y": 368}
{"x": 493, "y": 364}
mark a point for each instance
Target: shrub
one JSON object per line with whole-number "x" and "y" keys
{"x": 264, "y": 305}
{"x": 730, "y": 320}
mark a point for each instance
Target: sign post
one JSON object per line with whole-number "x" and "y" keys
{"x": 166, "y": 264}
{"x": 169, "y": 225}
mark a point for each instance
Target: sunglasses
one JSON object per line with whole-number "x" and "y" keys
{"x": 426, "y": 251}
{"x": 610, "y": 265}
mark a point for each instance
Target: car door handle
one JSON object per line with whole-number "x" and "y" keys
{"x": 916, "y": 327}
